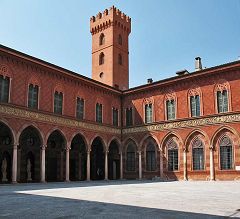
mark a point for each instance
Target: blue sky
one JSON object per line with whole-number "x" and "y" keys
{"x": 166, "y": 35}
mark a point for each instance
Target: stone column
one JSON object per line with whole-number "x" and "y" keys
{"x": 88, "y": 165}
{"x": 140, "y": 164}
{"x": 185, "y": 164}
{"x": 67, "y": 163}
{"x": 61, "y": 164}
{"x": 106, "y": 165}
{"x": 161, "y": 165}
{"x": 80, "y": 166}
{"x": 212, "y": 176}
{"x": 14, "y": 164}
{"x": 121, "y": 165}
{"x": 43, "y": 163}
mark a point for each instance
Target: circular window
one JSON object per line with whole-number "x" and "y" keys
{"x": 101, "y": 75}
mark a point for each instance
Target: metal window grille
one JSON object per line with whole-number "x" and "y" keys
{"x": 131, "y": 159}
{"x": 4, "y": 89}
{"x": 226, "y": 158}
{"x": 198, "y": 154}
{"x": 151, "y": 157}
{"x": 172, "y": 155}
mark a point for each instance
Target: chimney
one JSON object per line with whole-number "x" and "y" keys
{"x": 198, "y": 64}
{"x": 149, "y": 80}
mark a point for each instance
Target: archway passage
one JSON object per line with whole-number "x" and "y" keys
{"x": 78, "y": 159}
{"x": 29, "y": 155}
{"x": 97, "y": 160}
{"x": 6, "y": 148}
{"x": 55, "y": 157}
{"x": 114, "y": 161}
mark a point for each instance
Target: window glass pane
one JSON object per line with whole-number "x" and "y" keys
{"x": 226, "y": 158}
{"x": 193, "y": 105}
{"x": 129, "y": 121}
{"x": 219, "y": 102}
{"x": 131, "y": 158}
{"x": 4, "y": 89}
{"x": 80, "y": 108}
{"x": 150, "y": 158}
{"x": 197, "y": 97}
{"x": 225, "y": 101}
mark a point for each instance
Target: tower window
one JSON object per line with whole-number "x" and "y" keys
{"x": 120, "y": 61}
{"x": 119, "y": 39}
{"x": 101, "y": 58}
{"x": 102, "y": 39}
{"x": 101, "y": 75}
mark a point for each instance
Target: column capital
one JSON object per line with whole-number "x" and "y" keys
{"x": 43, "y": 147}
{"x": 139, "y": 152}
{"x": 16, "y": 146}
{"x": 185, "y": 150}
{"x": 68, "y": 148}
{"x": 106, "y": 152}
{"x": 211, "y": 148}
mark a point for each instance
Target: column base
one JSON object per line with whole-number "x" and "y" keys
{"x": 67, "y": 180}
{"x": 14, "y": 182}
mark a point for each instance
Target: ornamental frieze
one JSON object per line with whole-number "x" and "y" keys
{"x": 25, "y": 114}
{"x": 185, "y": 124}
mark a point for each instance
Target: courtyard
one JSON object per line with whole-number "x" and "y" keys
{"x": 121, "y": 199}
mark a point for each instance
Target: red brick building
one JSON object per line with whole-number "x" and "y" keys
{"x": 58, "y": 125}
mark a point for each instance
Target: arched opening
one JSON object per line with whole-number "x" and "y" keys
{"x": 55, "y": 157}
{"x": 114, "y": 161}
{"x": 6, "y": 147}
{"x": 78, "y": 159}
{"x": 101, "y": 58}
{"x": 102, "y": 39}
{"x": 120, "y": 59}
{"x": 120, "y": 39}
{"x": 97, "y": 160}
{"x": 29, "y": 155}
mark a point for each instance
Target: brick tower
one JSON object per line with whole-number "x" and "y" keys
{"x": 110, "y": 31}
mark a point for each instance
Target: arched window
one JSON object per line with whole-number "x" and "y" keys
{"x": 131, "y": 159}
{"x": 195, "y": 105}
{"x": 99, "y": 112}
{"x": 226, "y": 159}
{"x": 172, "y": 148}
{"x": 102, "y": 39}
{"x": 119, "y": 39}
{"x": 150, "y": 157}
{"x": 120, "y": 61}
{"x": 198, "y": 154}
{"x": 222, "y": 101}
{"x": 101, "y": 58}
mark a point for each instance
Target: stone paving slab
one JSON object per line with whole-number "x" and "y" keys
{"x": 121, "y": 199}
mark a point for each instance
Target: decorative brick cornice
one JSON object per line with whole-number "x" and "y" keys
{"x": 41, "y": 117}
{"x": 213, "y": 120}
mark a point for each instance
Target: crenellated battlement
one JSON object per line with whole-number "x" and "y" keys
{"x": 110, "y": 17}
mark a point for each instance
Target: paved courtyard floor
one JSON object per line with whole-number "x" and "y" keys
{"x": 121, "y": 199}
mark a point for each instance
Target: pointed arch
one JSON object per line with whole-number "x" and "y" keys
{"x": 12, "y": 132}
{"x": 27, "y": 125}
{"x": 101, "y": 39}
{"x": 101, "y": 139}
{"x": 114, "y": 138}
{"x": 60, "y": 132}
{"x": 150, "y": 136}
